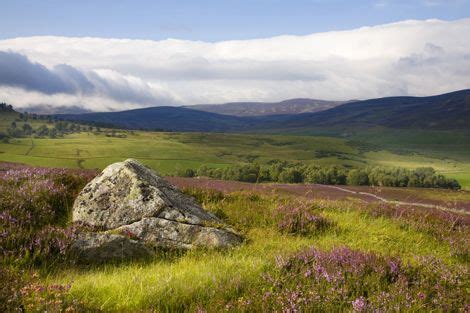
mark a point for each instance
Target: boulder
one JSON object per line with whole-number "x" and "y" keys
{"x": 159, "y": 232}
{"x": 103, "y": 247}
{"x": 135, "y": 208}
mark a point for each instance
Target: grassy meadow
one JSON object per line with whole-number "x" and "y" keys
{"x": 211, "y": 279}
{"x": 298, "y": 254}
{"x": 169, "y": 152}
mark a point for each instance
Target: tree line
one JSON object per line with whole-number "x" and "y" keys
{"x": 287, "y": 172}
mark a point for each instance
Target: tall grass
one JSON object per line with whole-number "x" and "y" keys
{"x": 380, "y": 257}
{"x": 235, "y": 279}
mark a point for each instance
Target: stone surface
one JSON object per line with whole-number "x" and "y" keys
{"x": 158, "y": 232}
{"x": 102, "y": 247}
{"x": 138, "y": 209}
{"x": 125, "y": 192}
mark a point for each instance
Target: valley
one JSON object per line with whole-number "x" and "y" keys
{"x": 169, "y": 153}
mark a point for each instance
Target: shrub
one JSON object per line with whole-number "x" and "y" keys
{"x": 345, "y": 279}
{"x": 10, "y": 289}
{"x": 357, "y": 178}
{"x": 36, "y": 205}
{"x": 187, "y": 172}
{"x": 291, "y": 175}
{"x": 298, "y": 218}
{"x": 450, "y": 228}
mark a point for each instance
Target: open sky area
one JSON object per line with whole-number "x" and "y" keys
{"x": 116, "y": 55}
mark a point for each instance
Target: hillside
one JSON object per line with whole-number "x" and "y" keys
{"x": 446, "y": 111}
{"x": 165, "y": 118}
{"x": 291, "y": 106}
{"x": 442, "y": 112}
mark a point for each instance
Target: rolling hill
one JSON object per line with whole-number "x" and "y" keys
{"x": 441, "y": 112}
{"x": 449, "y": 111}
{"x": 291, "y": 106}
{"x": 165, "y": 118}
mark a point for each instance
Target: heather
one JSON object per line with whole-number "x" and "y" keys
{"x": 300, "y": 254}
{"x": 367, "y": 261}
{"x": 36, "y": 206}
{"x": 35, "y": 231}
{"x": 345, "y": 279}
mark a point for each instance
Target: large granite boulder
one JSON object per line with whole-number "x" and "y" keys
{"x": 103, "y": 247}
{"x": 137, "y": 209}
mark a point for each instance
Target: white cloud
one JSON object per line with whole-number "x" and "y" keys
{"x": 404, "y": 58}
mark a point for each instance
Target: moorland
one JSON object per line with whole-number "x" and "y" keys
{"x": 308, "y": 246}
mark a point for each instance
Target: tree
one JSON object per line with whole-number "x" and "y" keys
{"x": 42, "y": 131}
{"x": 6, "y": 107}
{"x": 291, "y": 175}
{"x": 53, "y": 132}
{"x": 27, "y": 129}
{"x": 357, "y": 178}
{"x": 188, "y": 172}
{"x": 264, "y": 175}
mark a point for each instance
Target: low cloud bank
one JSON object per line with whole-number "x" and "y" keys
{"x": 405, "y": 58}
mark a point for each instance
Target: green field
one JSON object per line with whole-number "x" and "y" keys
{"x": 432, "y": 245}
{"x": 168, "y": 152}
{"x": 448, "y": 153}
{"x": 209, "y": 279}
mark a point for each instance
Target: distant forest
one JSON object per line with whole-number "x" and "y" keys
{"x": 287, "y": 172}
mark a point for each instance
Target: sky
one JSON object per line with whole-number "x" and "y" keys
{"x": 212, "y": 20}
{"x": 114, "y": 55}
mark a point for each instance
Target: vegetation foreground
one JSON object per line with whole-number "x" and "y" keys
{"x": 300, "y": 254}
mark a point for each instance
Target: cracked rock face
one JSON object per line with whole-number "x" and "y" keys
{"x": 136, "y": 207}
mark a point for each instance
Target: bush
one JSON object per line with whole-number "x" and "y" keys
{"x": 36, "y": 205}
{"x": 187, "y": 172}
{"x": 345, "y": 280}
{"x": 291, "y": 175}
{"x": 10, "y": 289}
{"x": 298, "y": 218}
{"x": 357, "y": 178}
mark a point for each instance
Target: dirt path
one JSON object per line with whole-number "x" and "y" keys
{"x": 329, "y": 192}
{"x": 424, "y": 205}
{"x": 30, "y": 148}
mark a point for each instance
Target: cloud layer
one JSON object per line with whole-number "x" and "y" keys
{"x": 405, "y": 58}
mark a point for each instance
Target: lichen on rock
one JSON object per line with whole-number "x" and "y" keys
{"x": 129, "y": 200}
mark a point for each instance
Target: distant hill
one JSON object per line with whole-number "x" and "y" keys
{"x": 47, "y": 109}
{"x": 165, "y": 118}
{"x": 448, "y": 111}
{"x": 291, "y": 106}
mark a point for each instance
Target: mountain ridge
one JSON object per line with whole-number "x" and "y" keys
{"x": 251, "y": 108}
{"x": 446, "y": 111}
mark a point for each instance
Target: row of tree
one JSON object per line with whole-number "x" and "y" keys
{"x": 6, "y": 107}
{"x": 281, "y": 171}
{"x": 56, "y": 129}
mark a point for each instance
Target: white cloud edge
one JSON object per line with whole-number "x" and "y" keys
{"x": 367, "y": 62}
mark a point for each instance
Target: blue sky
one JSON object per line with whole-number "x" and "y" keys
{"x": 88, "y": 54}
{"x": 210, "y": 20}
